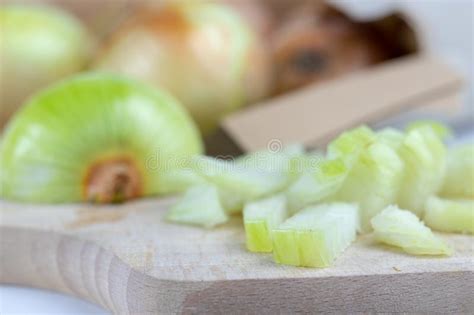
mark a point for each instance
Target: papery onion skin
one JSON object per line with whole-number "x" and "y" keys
{"x": 38, "y": 46}
{"x": 90, "y": 131}
{"x": 202, "y": 52}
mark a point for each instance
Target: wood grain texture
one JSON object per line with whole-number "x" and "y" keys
{"x": 128, "y": 260}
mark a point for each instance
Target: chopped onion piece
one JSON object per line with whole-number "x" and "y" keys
{"x": 459, "y": 180}
{"x": 291, "y": 161}
{"x": 271, "y": 160}
{"x": 304, "y": 163}
{"x": 391, "y": 136}
{"x": 200, "y": 205}
{"x": 373, "y": 181}
{"x": 315, "y": 236}
{"x": 440, "y": 129}
{"x": 450, "y": 215}
{"x": 424, "y": 156}
{"x": 179, "y": 180}
{"x": 313, "y": 187}
{"x": 350, "y": 143}
{"x": 403, "y": 229}
{"x": 260, "y": 218}
{"x": 233, "y": 203}
{"x": 250, "y": 184}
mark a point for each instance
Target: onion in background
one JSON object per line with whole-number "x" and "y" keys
{"x": 202, "y": 52}
{"x": 100, "y": 16}
{"x": 259, "y": 15}
{"x": 38, "y": 45}
{"x": 316, "y": 43}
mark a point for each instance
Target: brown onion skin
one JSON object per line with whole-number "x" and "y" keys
{"x": 317, "y": 43}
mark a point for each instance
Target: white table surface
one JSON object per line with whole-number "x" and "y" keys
{"x": 448, "y": 26}
{"x": 19, "y": 300}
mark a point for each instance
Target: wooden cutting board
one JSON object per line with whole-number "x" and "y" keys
{"x": 128, "y": 260}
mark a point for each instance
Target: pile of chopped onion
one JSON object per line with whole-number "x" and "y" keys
{"x": 308, "y": 215}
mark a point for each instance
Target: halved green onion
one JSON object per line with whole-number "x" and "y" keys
{"x": 402, "y": 228}
{"x": 94, "y": 137}
{"x": 200, "y": 205}
{"x": 450, "y": 215}
{"x": 260, "y": 218}
{"x": 315, "y": 236}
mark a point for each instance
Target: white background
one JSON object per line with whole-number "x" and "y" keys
{"x": 447, "y": 27}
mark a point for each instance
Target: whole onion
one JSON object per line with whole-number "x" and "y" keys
{"x": 202, "y": 52}
{"x": 317, "y": 43}
{"x": 99, "y": 21}
{"x": 38, "y": 45}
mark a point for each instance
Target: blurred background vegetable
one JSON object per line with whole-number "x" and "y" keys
{"x": 101, "y": 21}
{"x": 38, "y": 45}
{"x": 214, "y": 56}
{"x": 315, "y": 42}
{"x": 202, "y": 52}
